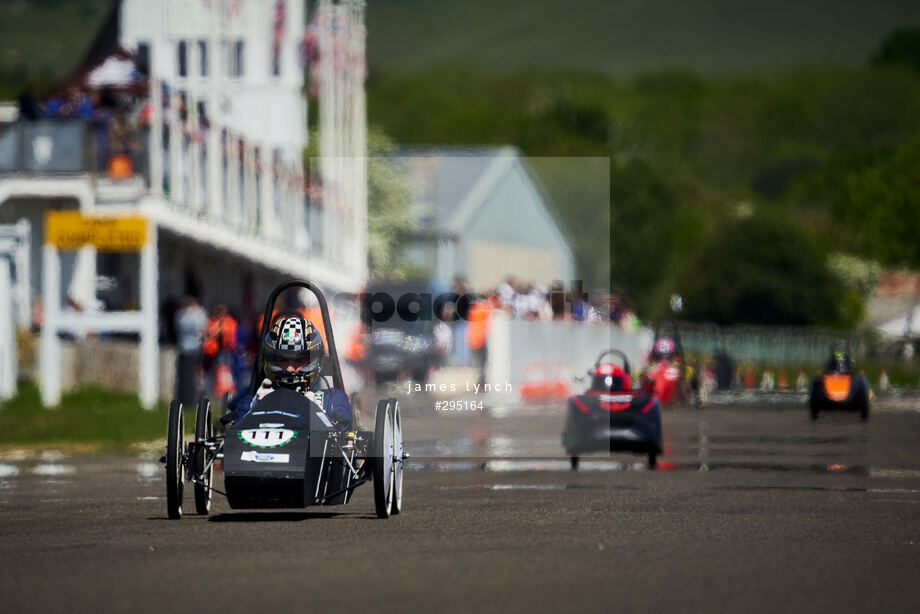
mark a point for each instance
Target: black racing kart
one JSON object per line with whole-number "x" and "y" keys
{"x": 839, "y": 391}
{"x": 612, "y": 417}
{"x": 286, "y": 452}
{"x": 400, "y": 344}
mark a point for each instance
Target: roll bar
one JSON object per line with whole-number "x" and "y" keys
{"x": 259, "y": 363}
{"x": 615, "y": 353}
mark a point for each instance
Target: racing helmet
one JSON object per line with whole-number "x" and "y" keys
{"x": 292, "y": 351}
{"x": 840, "y": 362}
{"x": 609, "y": 377}
{"x": 663, "y": 348}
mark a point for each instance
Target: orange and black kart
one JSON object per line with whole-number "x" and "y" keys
{"x": 839, "y": 391}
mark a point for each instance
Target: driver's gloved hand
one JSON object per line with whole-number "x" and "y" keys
{"x": 227, "y": 418}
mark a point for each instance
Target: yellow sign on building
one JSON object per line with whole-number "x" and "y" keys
{"x": 73, "y": 230}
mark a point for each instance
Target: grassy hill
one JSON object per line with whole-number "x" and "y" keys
{"x": 43, "y": 40}
{"x": 627, "y": 37}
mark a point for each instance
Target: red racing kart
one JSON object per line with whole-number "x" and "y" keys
{"x": 611, "y": 416}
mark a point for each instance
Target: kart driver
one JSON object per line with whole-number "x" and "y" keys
{"x": 292, "y": 351}
{"x": 664, "y": 349}
{"x": 839, "y": 363}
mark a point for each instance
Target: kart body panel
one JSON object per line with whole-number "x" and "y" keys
{"x": 616, "y": 421}
{"x": 837, "y": 387}
{"x": 839, "y": 391}
{"x": 274, "y": 455}
{"x": 667, "y": 377}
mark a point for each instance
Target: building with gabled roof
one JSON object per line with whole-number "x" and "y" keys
{"x": 484, "y": 215}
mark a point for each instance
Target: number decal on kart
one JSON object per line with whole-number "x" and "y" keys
{"x": 267, "y": 438}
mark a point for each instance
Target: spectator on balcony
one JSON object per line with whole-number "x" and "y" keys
{"x": 29, "y": 109}
{"x": 122, "y": 146}
{"x": 55, "y": 106}
{"x": 81, "y": 105}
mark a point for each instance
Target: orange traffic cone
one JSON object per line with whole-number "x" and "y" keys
{"x": 749, "y": 378}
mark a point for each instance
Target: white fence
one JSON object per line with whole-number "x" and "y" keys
{"x": 518, "y": 347}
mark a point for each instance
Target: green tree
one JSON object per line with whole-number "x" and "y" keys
{"x": 763, "y": 270}
{"x": 389, "y": 220}
{"x": 901, "y": 47}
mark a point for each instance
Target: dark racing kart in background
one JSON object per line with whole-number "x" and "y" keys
{"x": 286, "y": 452}
{"x": 839, "y": 391}
{"x": 612, "y": 417}
{"x": 401, "y": 345}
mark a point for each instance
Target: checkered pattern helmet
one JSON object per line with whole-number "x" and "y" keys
{"x": 294, "y": 341}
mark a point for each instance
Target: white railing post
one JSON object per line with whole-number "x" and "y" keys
{"x": 49, "y": 345}
{"x": 232, "y": 191}
{"x": 22, "y": 261}
{"x": 149, "y": 359}
{"x": 266, "y": 196}
{"x": 176, "y": 179}
{"x": 301, "y": 229}
{"x": 250, "y": 193}
{"x": 214, "y": 195}
{"x": 194, "y": 129}
{"x": 287, "y": 209}
{"x": 155, "y": 146}
{"x": 7, "y": 333}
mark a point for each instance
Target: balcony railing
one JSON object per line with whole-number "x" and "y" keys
{"x": 47, "y": 146}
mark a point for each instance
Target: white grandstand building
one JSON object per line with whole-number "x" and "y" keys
{"x": 216, "y": 167}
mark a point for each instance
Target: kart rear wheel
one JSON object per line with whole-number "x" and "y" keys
{"x": 397, "y": 460}
{"x": 174, "y": 445}
{"x": 383, "y": 460}
{"x": 814, "y": 399}
{"x": 203, "y": 432}
{"x": 653, "y": 460}
{"x": 574, "y": 462}
{"x": 864, "y": 406}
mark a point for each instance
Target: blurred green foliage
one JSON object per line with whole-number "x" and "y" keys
{"x": 389, "y": 220}
{"x": 43, "y": 40}
{"x": 830, "y": 158}
{"x": 742, "y": 274}
{"x": 833, "y": 151}
{"x": 901, "y": 47}
{"x": 624, "y": 38}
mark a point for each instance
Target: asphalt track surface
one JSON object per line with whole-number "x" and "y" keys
{"x": 755, "y": 509}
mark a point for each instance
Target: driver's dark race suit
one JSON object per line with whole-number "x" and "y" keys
{"x": 333, "y": 401}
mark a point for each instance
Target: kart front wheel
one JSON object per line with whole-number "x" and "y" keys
{"x": 397, "y": 460}
{"x": 383, "y": 460}
{"x": 574, "y": 462}
{"x": 174, "y": 484}
{"x": 203, "y": 432}
{"x": 652, "y": 460}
